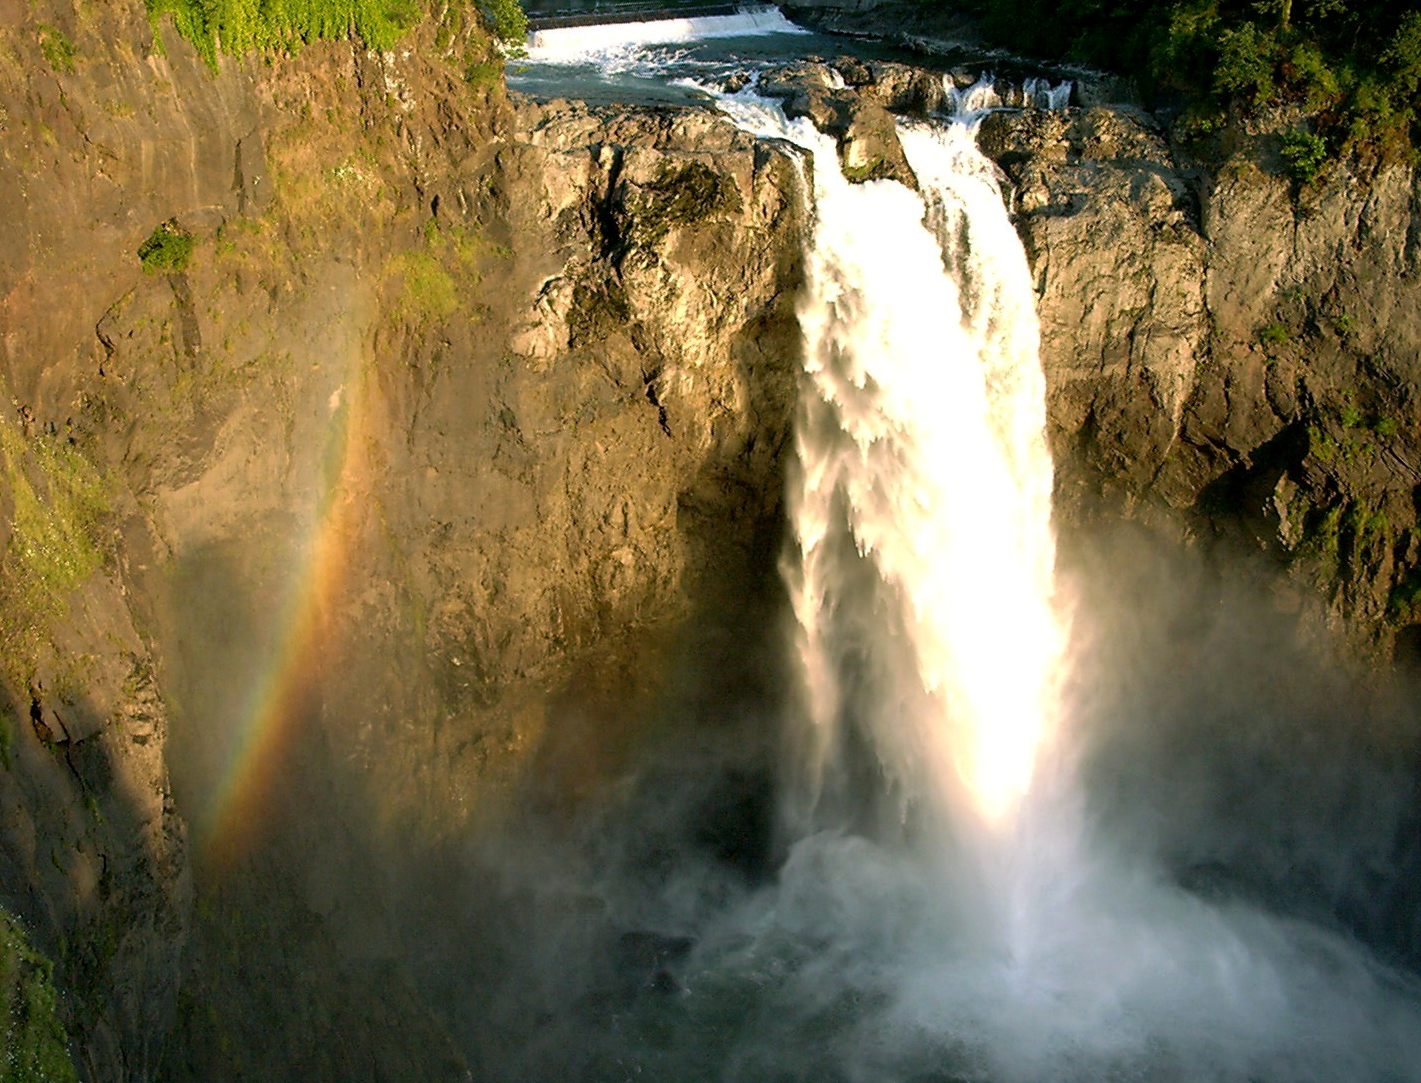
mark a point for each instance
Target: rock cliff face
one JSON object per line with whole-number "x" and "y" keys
{"x": 1231, "y": 355}
{"x": 446, "y": 422}
{"x": 448, "y": 399}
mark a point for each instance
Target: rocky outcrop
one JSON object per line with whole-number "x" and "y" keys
{"x": 1231, "y": 355}
{"x": 855, "y": 116}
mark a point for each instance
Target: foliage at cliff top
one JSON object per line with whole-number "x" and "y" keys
{"x": 1354, "y": 64}
{"x": 237, "y": 27}
{"x": 31, "y": 1035}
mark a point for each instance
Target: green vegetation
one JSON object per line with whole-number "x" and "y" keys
{"x": 1322, "y": 541}
{"x": 1304, "y": 153}
{"x": 167, "y": 249}
{"x": 435, "y": 278}
{"x": 237, "y": 27}
{"x": 58, "y": 50}
{"x": 34, "y": 1041}
{"x": 1353, "y": 64}
{"x": 427, "y": 290}
{"x": 1404, "y": 600}
{"x": 507, "y": 20}
{"x": 61, "y": 505}
{"x": 1274, "y": 334}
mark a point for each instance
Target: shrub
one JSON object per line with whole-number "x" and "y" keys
{"x": 1304, "y": 154}
{"x": 1274, "y": 334}
{"x": 167, "y": 249}
{"x": 507, "y": 20}
{"x": 1246, "y": 62}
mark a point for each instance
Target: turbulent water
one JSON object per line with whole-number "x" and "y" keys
{"x": 946, "y": 909}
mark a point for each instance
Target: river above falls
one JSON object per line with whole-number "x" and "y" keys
{"x": 670, "y": 61}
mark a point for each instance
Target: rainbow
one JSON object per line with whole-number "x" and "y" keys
{"x": 287, "y": 693}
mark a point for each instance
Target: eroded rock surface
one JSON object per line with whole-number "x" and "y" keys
{"x": 1229, "y": 354}
{"x": 449, "y": 400}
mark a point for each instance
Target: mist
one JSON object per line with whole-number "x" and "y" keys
{"x": 1240, "y": 906}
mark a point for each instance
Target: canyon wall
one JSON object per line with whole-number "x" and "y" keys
{"x": 1233, "y": 355}
{"x": 434, "y": 425}
{"x": 431, "y": 409}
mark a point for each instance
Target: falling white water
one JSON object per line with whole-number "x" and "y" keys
{"x": 980, "y": 96}
{"x": 923, "y": 587}
{"x": 1034, "y": 93}
{"x": 1042, "y": 95}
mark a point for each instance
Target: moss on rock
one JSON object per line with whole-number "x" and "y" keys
{"x": 35, "y": 1044}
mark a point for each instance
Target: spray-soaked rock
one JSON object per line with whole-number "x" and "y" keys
{"x": 865, "y": 131}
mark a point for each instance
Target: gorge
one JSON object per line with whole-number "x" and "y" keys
{"x": 401, "y": 678}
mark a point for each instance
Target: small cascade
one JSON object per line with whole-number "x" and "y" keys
{"x": 977, "y": 98}
{"x": 574, "y": 44}
{"x": 987, "y": 93}
{"x": 1040, "y": 94}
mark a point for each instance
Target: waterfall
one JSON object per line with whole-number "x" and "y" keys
{"x": 923, "y": 579}
{"x": 1034, "y": 93}
{"x": 980, "y": 96}
{"x": 941, "y": 835}
{"x": 921, "y": 571}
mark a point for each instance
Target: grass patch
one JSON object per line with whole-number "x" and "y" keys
{"x": 238, "y": 27}
{"x": 59, "y": 51}
{"x": 427, "y": 290}
{"x": 436, "y": 278}
{"x": 61, "y": 506}
{"x": 167, "y": 250}
{"x": 34, "y": 1041}
{"x": 1275, "y": 334}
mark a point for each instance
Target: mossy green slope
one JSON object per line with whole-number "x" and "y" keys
{"x": 237, "y": 27}
{"x": 33, "y": 1045}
